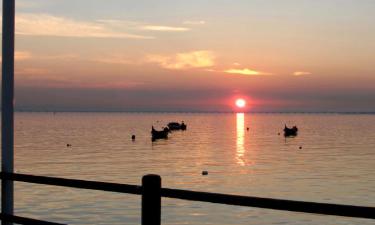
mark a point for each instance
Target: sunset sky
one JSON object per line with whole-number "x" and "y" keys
{"x": 197, "y": 55}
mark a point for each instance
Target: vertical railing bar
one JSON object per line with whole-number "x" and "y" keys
{"x": 151, "y": 200}
{"x": 7, "y": 104}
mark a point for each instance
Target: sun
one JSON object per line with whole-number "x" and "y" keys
{"x": 240, "y": 103}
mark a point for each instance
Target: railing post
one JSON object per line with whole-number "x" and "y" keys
{"x": 7, "y": 109}
{"x": 151, "y": 200}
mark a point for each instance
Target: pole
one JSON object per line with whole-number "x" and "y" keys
{"x": 151, "y": 200}
{"x": 7, "y": 114}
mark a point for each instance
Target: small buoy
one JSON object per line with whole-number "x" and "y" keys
{"x": 204, "y": 173}
{"x": 300, "y": 147}
{"x": 247, "y": 129}
{"x": 68, "y": 145}
{"x": 133, "y": 137}
{"x": 278, "y": 133}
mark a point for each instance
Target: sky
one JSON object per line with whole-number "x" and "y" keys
{"x": 196, "y": 56}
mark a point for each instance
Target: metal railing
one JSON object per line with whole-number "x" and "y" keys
{"x": 152, "y": 192}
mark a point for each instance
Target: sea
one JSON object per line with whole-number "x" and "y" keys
{"x": 332, "y": 160}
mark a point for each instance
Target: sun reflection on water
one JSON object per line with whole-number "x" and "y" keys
{"x": 240, "y": 144}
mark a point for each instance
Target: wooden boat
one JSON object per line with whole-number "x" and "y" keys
{"x": 177, "y": 126}
{"x": 288, "y": 132}
{"x": 155, "y": 134}
{"x": 183, "y": 126}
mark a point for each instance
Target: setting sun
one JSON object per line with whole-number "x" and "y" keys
{"x": 240, "y": 103}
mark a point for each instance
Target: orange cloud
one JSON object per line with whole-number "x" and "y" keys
{"x": 187, "y": 60}
{"x": 301, "y": 73}
{"x": 246, "y": 71}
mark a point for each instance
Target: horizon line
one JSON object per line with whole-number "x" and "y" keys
{"x": 203, "y": 112}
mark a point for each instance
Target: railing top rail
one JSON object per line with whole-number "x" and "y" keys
{"x": 25, "y": 221}
{"x": 74, "y": 183}
{"x": 270, "y": 203}
{"x": 266, "y": 203}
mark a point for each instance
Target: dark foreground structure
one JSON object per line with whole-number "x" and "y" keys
{"x": 152, "y": 192}
{"x": 151, "y": 189}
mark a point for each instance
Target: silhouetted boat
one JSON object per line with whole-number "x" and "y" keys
{"x": 177, "y": 126}
{"x": 183, "y": 126}
{"x": 155, "y": 134}
{"x": 288, "y": 132}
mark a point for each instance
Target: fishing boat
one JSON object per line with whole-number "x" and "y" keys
{"x": 288, "y": 132}
{"x": 177, "y": 126}
{"x": 155, "y": 134}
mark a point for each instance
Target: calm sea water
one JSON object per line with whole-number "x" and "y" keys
{"x": 335, "y": 164}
